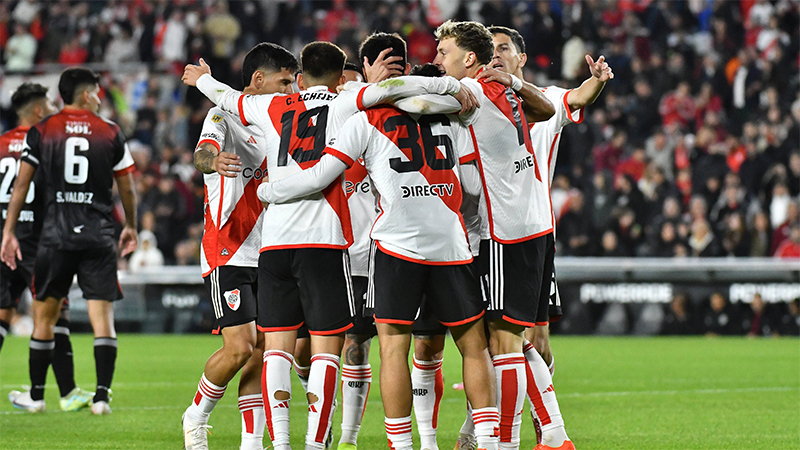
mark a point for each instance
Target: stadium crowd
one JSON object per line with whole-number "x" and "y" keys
{"x": 694, "y": 150}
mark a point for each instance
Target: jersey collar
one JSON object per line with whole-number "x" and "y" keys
{"x": 319, "y": 88}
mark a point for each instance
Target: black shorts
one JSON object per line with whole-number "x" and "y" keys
{"x": 452, "y": 291}
{"x": 96, "y": 269}
{"x": 511, "y": 279}
{"x": 548, "y": 284}
{"x": 233, "y": 295}
{"x": 14, "y": 282}
{"x": 310, "y": 286}
{"x": 426, "y": 323}
{"x": 363, "y": 322}
{"x": 556, "y": 312}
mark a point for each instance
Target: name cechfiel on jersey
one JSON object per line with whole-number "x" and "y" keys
{"x": 74, "y": 197}
{"x": 428, "y": 190}
{"x": 72, "y": 127}
{"x": 305, "y": 96}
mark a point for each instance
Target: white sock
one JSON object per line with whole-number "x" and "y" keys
{"x": 253, "y": 421}
{"x": 543, "y": 400}
{"x": 206, "y": 398}
{"x": 511, "y": 385}
{"x": 356, "y": 381}
{"x": 277, "y": 376}
{"x": 487, "y": 426}
{"x": 302, "y": 373}
{"x": 398, "y": 432}
{"x": 468, "y": 428}
{"x": 322, "y": 381}
{"x": 428, "y": 388}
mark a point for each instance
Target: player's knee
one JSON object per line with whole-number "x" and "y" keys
{"x": 240, "y": 351}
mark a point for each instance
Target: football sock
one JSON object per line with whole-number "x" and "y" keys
{"x": 4, "y": 327}
{"x": 105, "y": 358}
{"x": 63, "y": 366}
{"x": 398, "y": 431}
{"x": 487, "y": 422}
{"x": 322, "y": 381}
{"x": 511, "y": 385}
{"x": 41, "y": 354}
{"x": 543, "y": 400}
{"x": 302, "y": 373}
{"x": 206, "y": 398}
{"x": 428, "y": 388}
{"x": 276, "y": 391}
{"x": 356, "y": 381}
{"x": 253, "y": 421}
{"x": 468, "y": 428}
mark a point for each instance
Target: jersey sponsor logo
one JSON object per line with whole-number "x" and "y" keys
{"x": 252, "y": 140}
{"x": 355, "y": 384}
{"x": 78, "y": 229}
{"x": 78, "y": 127}
{"x": 224, "y": 252}
{"x": 524, "y": 164}
{"x": 233, "y": 299}
{"x": 212, "y": 136}
{"x": 216, "y": 118}
{"x": 15, "y": 146}
{"x": 74, "y": 197}
{"x": 428, "y": 190}
{"x": 419, "y": 392}
{"x": 257, "y": 173}
{"x": 361, "y": 186}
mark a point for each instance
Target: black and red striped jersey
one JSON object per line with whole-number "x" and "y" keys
{"x": 78, "y": 155}
{"x": 29, "y": 225}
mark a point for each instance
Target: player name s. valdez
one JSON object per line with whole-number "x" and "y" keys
{"x": 428, "y": 190}
{"x": 74, "y": 197}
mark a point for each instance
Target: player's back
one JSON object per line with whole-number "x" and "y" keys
{"x": 413, "y": 162}
{"x": 233, "y": 214}
{"x": 509, "y": 166}
{"x": 296, "y": 139}
{"x": 29, "y": 225}
{"x": 78, "y": 154}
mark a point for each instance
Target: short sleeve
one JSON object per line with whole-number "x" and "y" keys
{"x": 465, "y": 147}
{"x": 351, "y": 140}
{"x": 214, "y": 129}
{"x": 31, "y": 152}
{"x": 564, "y": 114}
{"x": 123, "y": 161}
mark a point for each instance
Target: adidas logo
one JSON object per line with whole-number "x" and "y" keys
{"x": 281, "y": 405}
{"x": 252, "y": 140}
{"x": 549, "y": 389}
{"x": 311, "y": 408}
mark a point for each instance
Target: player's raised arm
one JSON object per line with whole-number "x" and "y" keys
{"x": 589, "y": 90}
{"x": 536, "y": 106}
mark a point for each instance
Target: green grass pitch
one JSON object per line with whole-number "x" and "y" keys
{"x": 615, "y": 393}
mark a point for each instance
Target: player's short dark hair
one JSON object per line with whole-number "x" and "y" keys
{"x": 73, "y": 81}
{"x": 27, "y": 93}
{"x": 516, "y": 38}
{"x": 469, "y": 36}
{"x": 322, "y": 60}
{"x": 378, "y": 42}
{"x": 426, "y": 70}
{"x": 267, "y": 56}
{"x": 355, "y": 68}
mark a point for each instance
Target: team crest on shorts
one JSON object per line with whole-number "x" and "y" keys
{"x": 216, "y": 118}
{"x": 233, "y": 299}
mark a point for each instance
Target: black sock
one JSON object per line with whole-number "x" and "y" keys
{"x": 105, "y": 357}
{"x": 4, "y": 327}
{"x": 40, "y": 357}
{"x": 63, "y": 367}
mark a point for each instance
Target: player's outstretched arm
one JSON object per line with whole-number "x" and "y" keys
{"x": 590, "y": 89}
{"x": 307, "y": 182}
{"x": 536, "y": 106}
{"x": 10, "y": 252}
{"x": 127, "y": 191}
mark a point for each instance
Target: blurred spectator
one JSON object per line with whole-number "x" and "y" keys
{"x": 677, "y": 107}
{"x": 790, "y": 248}
{"x": 573, "y": 230}
{"x": 760, "y": 236}
{"x": 758, "y": 320}
{"x": 609, "y": 245}
{"x": 147, "y": 253}
{"x": 123, "y": 48}
{"x": 25, "y": 11}
{"x": 702, "y": 242}
{"x": 173, "y": 35}
{"x": 20, "y": 49}
{"x": 789, "y": 322}
{"x": 678, "y": 319}
{"x": 719, "y": 317}
{"x": 73, "y": 53}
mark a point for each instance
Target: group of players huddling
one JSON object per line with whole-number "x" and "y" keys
{"x": 372, "y": 202}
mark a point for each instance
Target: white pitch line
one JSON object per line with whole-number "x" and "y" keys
{"x": 299, "y": 405}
